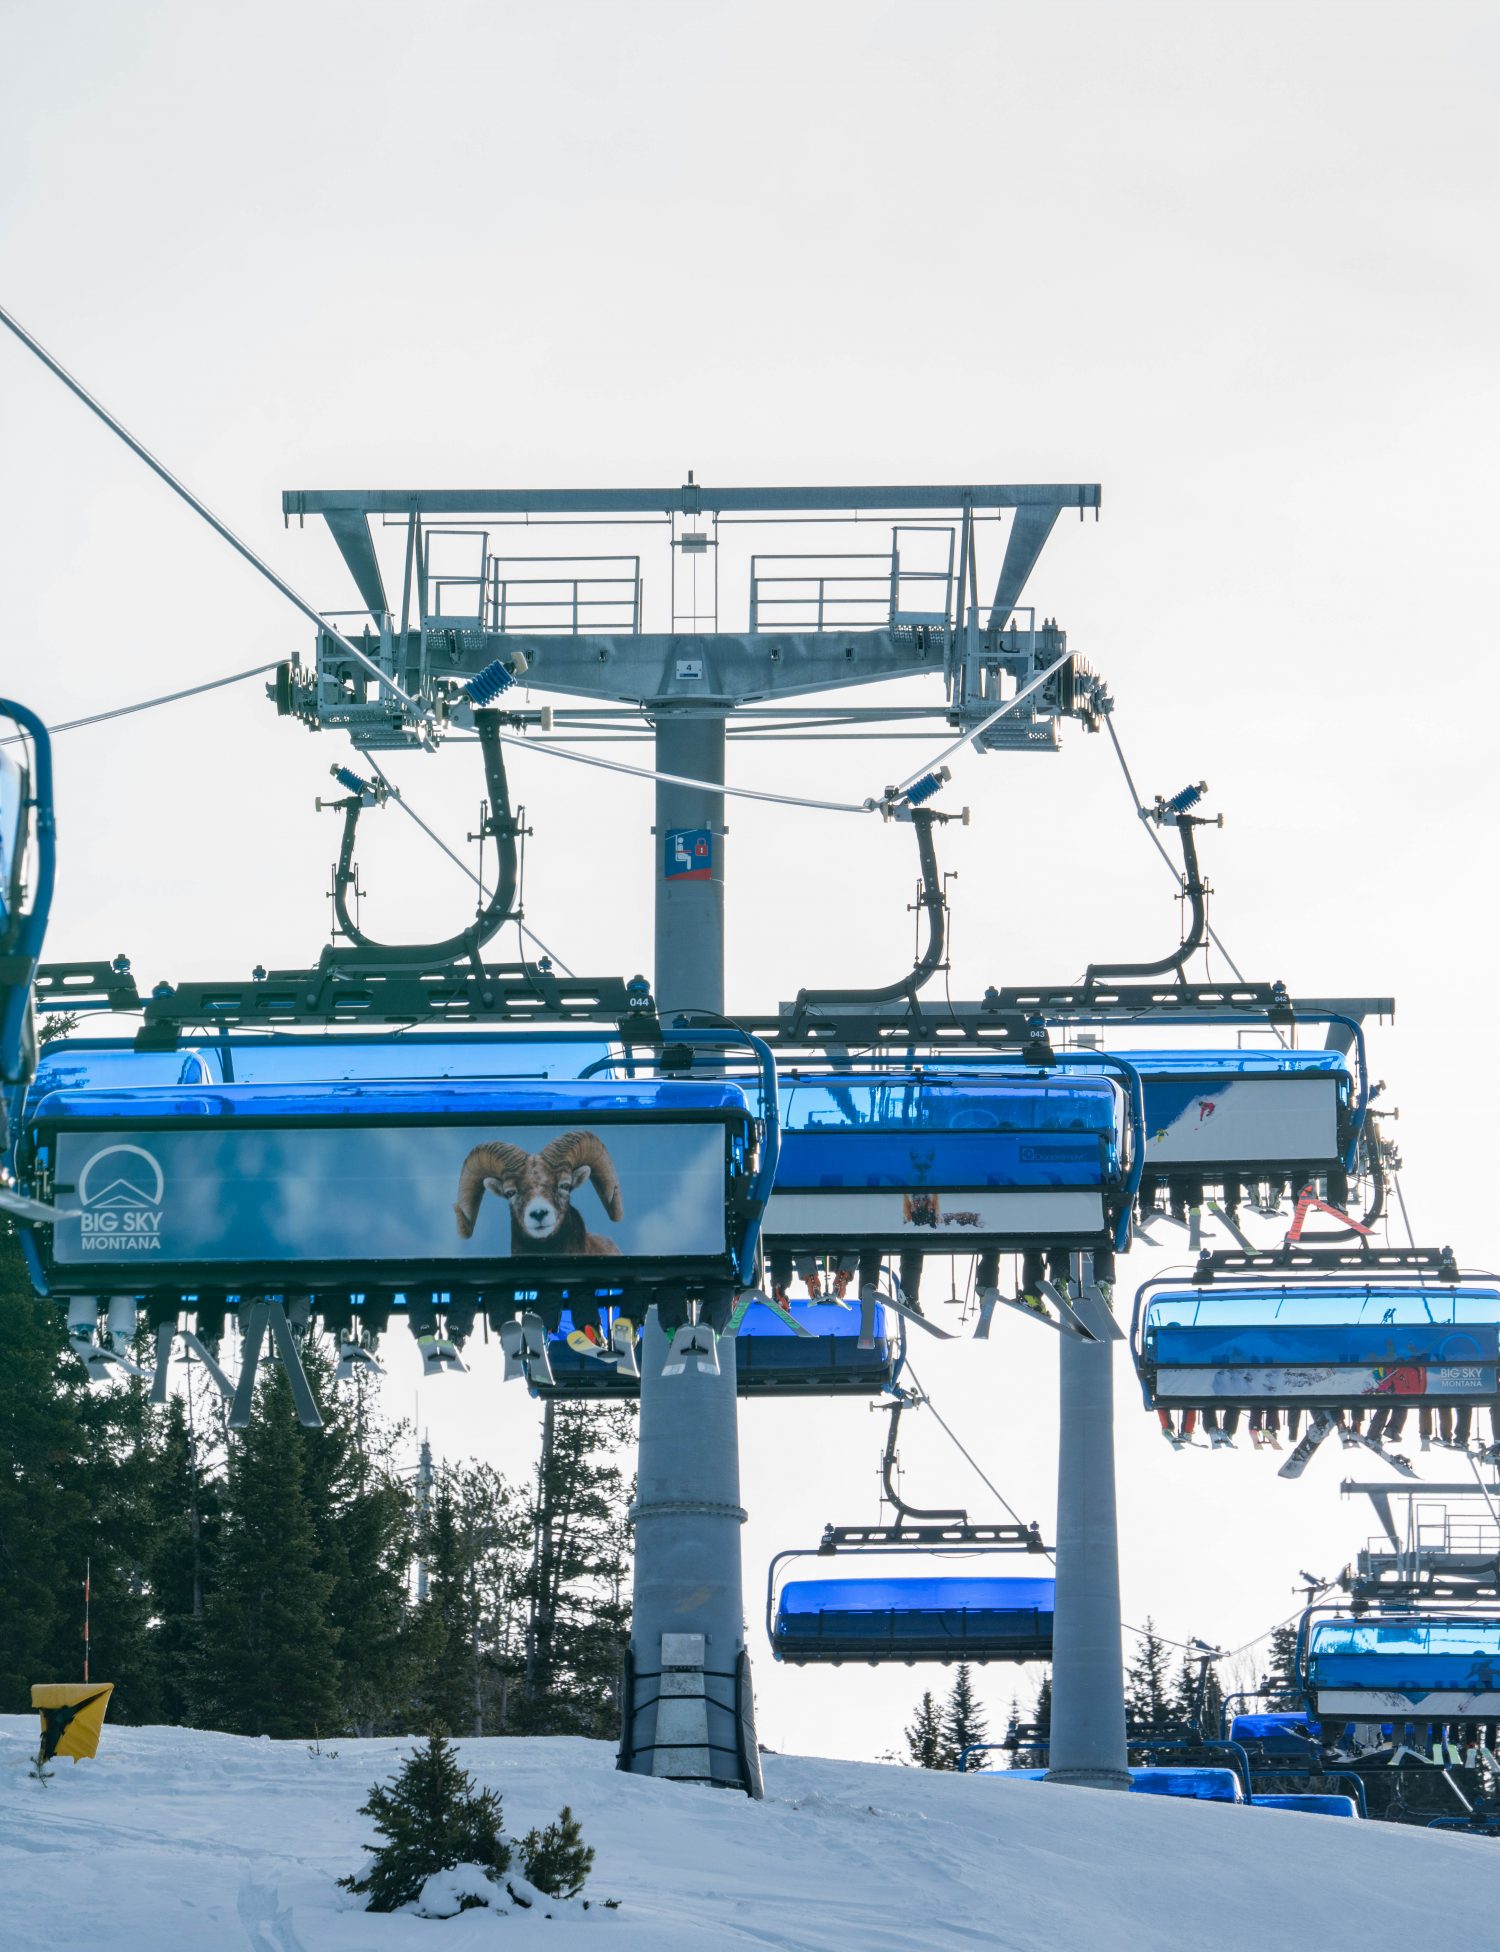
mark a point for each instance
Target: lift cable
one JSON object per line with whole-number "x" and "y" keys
{"x": 977, "y": 731}
{"x": 1184, "y": 1646}
{"x": 963, "y": 1453}
{"x": 678, "y": 779}
{"x": 221, "y": 529}
{"x": 149, "y": 704}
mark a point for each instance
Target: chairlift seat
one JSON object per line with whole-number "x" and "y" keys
{"x": 1287, "y": 1733}
{"x": 770, "y": 1359}
{"x": 913, "y": 1619}
{"x": 1308, "y": 1803}
{"x": 1206, "y": 1785}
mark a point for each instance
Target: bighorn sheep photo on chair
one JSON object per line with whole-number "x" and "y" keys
{"x": 539, "y": 1187}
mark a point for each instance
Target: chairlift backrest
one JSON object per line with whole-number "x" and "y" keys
{"x": 1318, "y": 1344}
{"x": 470, "y": 1182}
{"x": 1244, "y": 1114}
{"x": 949, "y": 1165}
{"x": 1431, "y": 1666}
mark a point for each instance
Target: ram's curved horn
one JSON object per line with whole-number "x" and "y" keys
{"x": 484, "y": 1162}
{"x": 588, "y": 1149}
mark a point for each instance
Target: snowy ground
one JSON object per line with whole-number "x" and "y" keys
{"x": 176, "y": 1841}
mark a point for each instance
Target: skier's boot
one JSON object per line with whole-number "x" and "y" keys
{"x": 354, "y": 1356}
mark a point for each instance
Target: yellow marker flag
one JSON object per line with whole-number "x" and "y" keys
{"x": 72, "y": 1715}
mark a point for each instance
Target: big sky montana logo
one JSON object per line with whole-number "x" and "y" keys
{"x": 120, "y": 1197}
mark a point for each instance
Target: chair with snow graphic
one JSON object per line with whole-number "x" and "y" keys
{"x": 1318, "y": 1330}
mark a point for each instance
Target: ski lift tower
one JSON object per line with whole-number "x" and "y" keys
{"x": 681, "y": 610}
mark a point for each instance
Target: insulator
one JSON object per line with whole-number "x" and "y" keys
{"x": 1188, "y": 797}
{"x": 926, "y": 786}
{"x": 488, "y": 683}
{"x": 350, "y": 781}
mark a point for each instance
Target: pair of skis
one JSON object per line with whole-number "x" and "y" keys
{"x": 1323, "y": 1424}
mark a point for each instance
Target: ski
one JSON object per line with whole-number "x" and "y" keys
{"x": 1222, "y": 1215}
{"x": 782, "y": 1313}
{"x": 534, "y": 1349}
{"x": 509, "y": 1333}
{"x": 1088, "y": 1315}
{"x": 990, "y": 1298}
{"x": 911, "y": 1315}
{"x": 1317, "y": 1430}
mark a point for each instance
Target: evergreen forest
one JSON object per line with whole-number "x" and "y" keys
{"x": 413, "y": 1595}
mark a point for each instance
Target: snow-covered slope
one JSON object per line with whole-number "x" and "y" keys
{"x": 176, "y": 1841}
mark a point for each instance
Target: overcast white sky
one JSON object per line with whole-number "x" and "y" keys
{"x": 1234, "y": 262}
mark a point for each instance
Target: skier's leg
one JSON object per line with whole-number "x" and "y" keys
{"x": 987, "y": 1288}
{"x": 910, "y": 1279}
{"x": 1032, "y": 1274}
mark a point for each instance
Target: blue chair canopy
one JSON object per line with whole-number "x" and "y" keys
{"x": 1309, "y": 1805}
{"x": 911, "y": 1619}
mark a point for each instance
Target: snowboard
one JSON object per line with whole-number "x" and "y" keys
{"x": 1320, "y": 1427}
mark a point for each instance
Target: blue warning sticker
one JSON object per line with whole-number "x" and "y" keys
{"x": 689, "y": 854}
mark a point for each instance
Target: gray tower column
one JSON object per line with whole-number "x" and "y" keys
{"x": 690, "y": 1714}
{"x": 1088, "y": 1683}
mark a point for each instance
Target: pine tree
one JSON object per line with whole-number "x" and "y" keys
{"x": 475, "y": 1543}
{"x": 557, "y": 1860}
{"x": 1204, "y": 1715}
{"x": 963, "y": 1721}
{"x": 432, "y": 1818}
{"x": 579, "y": 1610}
{"x": 1281, "y": 1675}
{"x": 69, "y": 1504}
{"x": 120, "y": 1428}
{"x": 1041, "y": 1714}
{"x": 363, "y": 1527}
{"x": 270, "y": 1646}
{"x": 44, "y": 1493}
{"x": 925, "y": 1745}
{"x": 1012, "y": 1738}
{"x": 1148, "y": 1684}
{"x": 187, "y": 1495}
